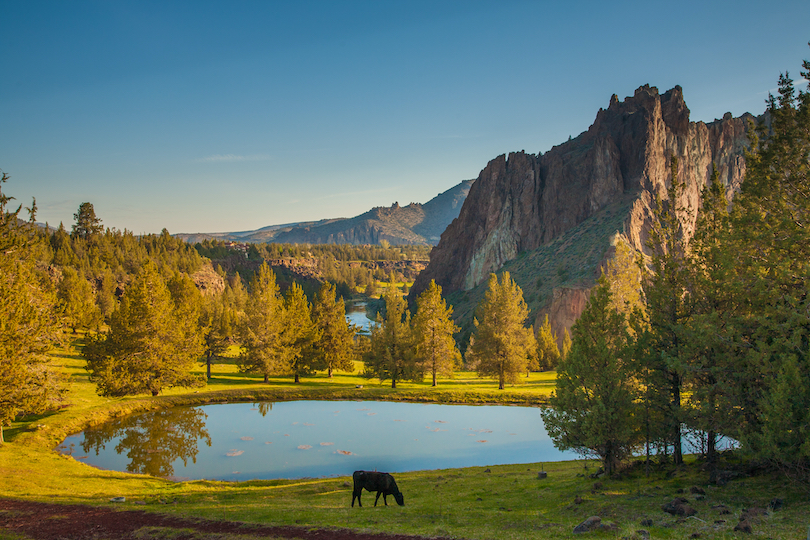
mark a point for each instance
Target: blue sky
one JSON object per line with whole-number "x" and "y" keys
{"x": 208, "y": 116}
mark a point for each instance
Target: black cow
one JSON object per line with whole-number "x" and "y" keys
{"x": 382, "y": 483}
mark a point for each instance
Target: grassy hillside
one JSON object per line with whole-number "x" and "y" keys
{"x": 504, "y": 502}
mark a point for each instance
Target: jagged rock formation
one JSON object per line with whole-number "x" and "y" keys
{"x": 412, "y": 224}
{"x": 522, "y": 202}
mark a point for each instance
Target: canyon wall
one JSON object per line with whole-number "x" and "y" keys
{"x": 522, "y": 201}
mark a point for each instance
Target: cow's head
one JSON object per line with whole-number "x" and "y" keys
{"x": 400, "y": 499}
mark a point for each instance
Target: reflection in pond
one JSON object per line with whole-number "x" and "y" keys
{"x": 299, "y": 439}
{"x": 152, "y": 441}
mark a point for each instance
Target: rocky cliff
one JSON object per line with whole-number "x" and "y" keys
{"x": 522, "y": 202}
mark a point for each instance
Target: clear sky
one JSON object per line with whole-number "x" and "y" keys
{"x": 209, "y": 116}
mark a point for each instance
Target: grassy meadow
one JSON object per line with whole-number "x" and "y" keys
{"x": 503, "y": 502}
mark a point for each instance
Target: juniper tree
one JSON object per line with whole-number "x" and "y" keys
{"x": 710, "y": 357}
{"x": 771, "y": 224}
{"x": 28, "y": 323}
{"x": 77, "y": 300}
{"x": 665, "y": 286}
{"x": 148, "y": 347}
{"x": 592, "y": 409}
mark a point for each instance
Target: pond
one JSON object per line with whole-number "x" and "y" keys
{"x": 300, "y": 439}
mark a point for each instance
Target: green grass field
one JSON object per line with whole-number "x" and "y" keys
{"x": 503, "y": 502}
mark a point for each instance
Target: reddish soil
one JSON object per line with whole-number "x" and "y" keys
{"x": 42, "y": 521}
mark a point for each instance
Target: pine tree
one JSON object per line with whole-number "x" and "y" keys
{"x": 188, "y": 305}
{"x": 711, "y": 361}
{"x": 433, "y": 330}
{"x": 334, "y": 348}
{"x": 548, "y": 354}
{"x": 217, "y": 324}
{"x": 771, "y": 223}
{"x": 261, "y": 326}
{"x": 665, "y": 285}
{"x": 28, "y": 323}
{"x": 566, "y": 344}
{"x": 624, "y": 276}
{"x": 503, "y": 346}
{"x": 298, "y": 334}
{"x": 148, "y": 347}
{"x": 391, "y": 354}
{"x": 87, "y": 224}
{"x": 77, "y": 301}
{"x": 592, "y": 409}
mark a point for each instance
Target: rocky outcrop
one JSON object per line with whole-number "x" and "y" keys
{"x": 523, "y": 201}
{"x": 208, "y": 281}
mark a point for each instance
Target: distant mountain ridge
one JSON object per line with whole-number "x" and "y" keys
{"x": 412, "y": 224}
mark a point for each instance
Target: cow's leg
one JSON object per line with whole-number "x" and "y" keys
{"x": 385, "y": 498}
{"x": 356, "y": 494}
{"x": 378, "y": 498}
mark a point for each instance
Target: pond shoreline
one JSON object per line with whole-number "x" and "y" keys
{"x": 52, "y": 433}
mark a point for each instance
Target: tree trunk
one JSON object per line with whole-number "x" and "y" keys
{"x": 297, "y": 379}
{"x": 266, "y": 379}
{"x": 677, "y": 451}
{"x": 393, "y": 383}
{"x": 434, "y": 378}
{"x": 208, "y": 366}
{"x": 329, "y": 371}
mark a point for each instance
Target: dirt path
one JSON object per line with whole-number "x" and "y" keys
{"x": 43, "y": 521}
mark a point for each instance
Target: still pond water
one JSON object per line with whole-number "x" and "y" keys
{"x": 299, "y": 439}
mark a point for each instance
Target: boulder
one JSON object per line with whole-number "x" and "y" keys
{"x": 679, "y": 507}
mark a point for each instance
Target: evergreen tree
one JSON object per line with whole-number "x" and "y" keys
{"x": 592, "y": 409}
{"x": 28, "y": 324}
{"x": 188, "y": 305}
{"x": 217, "y": 324}
{"x": 261, "y": 326}
{"x": 433, "y": 330}
{"x": 548, "y": 354}
{"x": 298, "y": 334}
{"x": 77, "y": 301}
{"x": 391, "y": 352}
{"x": 624, "y": 276}
{"x": 665, "y": 286}
{"x": 503, "y": 346}
{"x": 566, "y": 344}
{"x": 87, "y": 224}
{"x": 105, "y": 293}
{"x": 711, "y": 360}
{"x": 147, "y": 347}
{"x": 334, "y": 349}
{"x": 771, "y": 223}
